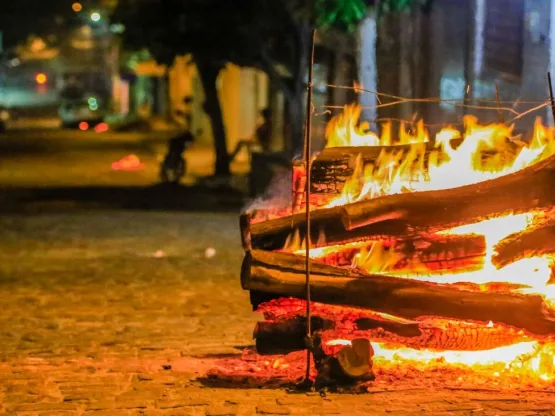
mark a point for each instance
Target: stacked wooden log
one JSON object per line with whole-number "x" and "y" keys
{"x": 334, "y": 166}
{"x": 409, "y": 223}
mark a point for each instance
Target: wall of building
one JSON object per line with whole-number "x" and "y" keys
{"x": 243, "y": 94}
{"x": 462, "y": 55}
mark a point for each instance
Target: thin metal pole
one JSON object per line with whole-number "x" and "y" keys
{"x": 551, "y": 95}
{"x": 307, "y": 154}
{"x": 500, "y": 112}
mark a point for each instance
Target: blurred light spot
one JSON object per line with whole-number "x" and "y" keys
{"x": 101, "y": 128}
{"x": 117, "y": 28}
{"x": 92, "y": 101}
{"x": 83, "y": 126}
{"x": 93, "y": 107}
{"x": 95, "y": 17}
{"x": 77, "y": 7}
{"x": 86, "y": 30}
{"x": 130, "y": 162}
{"x": 41, "y": 78}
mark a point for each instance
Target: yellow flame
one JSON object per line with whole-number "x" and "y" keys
{"x": 376, "y": 259}
{"x": 345, "y": 129}
{"x": 486, "y": 152}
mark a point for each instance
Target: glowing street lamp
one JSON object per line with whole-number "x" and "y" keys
{"x": 77, "y": 7}
{"x": 95, "y": 17}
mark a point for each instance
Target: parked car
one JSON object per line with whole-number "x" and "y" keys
{"x": 82, "y": 113}
{"x": 4, "y": 117}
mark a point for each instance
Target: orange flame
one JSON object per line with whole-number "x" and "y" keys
{"x": 479, "y": 153}
{"x": 486, "y": 152}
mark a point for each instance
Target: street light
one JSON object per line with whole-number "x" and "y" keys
{"x": 95, "y": 17}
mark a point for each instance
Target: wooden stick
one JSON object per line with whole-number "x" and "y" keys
{"x": 308, "y": 156}
{"x": 551, "y": 95}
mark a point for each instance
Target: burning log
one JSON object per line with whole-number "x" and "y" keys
{"x": 284, "y": 329}
{"x": 335, "y": 165}
{"x": 534, "y": 242}
{"x": 284, "y": 337}
{"x": 284, "y": 274}
{"x": 423, "y": 254}
{"x": 528, "y": 189}
{"x": 525, "y": 190}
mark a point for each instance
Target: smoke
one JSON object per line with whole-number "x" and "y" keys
{"x": 278, "y": 194}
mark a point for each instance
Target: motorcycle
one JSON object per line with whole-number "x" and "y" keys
{"x": 174, "y": 166}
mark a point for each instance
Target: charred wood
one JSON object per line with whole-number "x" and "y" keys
{"x": 287, "y": 336}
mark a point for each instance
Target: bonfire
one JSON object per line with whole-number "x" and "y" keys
{"x": 438, "y": 250}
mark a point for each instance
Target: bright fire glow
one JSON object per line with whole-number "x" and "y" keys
{"x": 480, "y": 153}
{"x": 486, "y": 152}
{"x": 345, "y": 130}
{"x": 523, "y": 358}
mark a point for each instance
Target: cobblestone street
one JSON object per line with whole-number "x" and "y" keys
{"x": 123, "y": 313}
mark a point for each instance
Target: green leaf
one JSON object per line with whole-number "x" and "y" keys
{"x": 341, "y": 14}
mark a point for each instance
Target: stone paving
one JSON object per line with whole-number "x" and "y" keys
{"x": 123, "y": 314}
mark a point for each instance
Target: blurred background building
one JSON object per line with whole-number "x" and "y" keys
{"x": 456, "y": 49}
